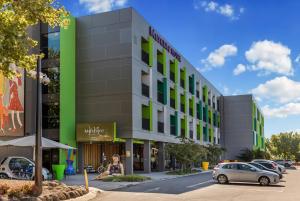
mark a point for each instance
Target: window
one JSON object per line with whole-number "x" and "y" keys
{"x": 229, "y": 166}
{"x": 145, "y": 51}
{"x": 160, "y": 65}
{"x": 244, "y": 167}
{"x": 160, "y": 91}
{"x": 173, "y": 124}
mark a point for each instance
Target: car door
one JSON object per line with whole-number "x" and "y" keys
{"x": 246, "y": 173}
{"x": 230, "y": 171}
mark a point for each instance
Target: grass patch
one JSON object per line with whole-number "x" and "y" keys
{"x": 182, "y": 172}
{"x": 126, "y": 178}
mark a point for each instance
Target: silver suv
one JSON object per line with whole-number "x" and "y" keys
{"x": 243, "y": 172}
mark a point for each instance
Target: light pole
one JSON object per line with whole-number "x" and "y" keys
{"x": 38, "y": 185}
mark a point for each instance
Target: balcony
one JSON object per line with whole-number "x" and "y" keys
{"x": 145, "y": 90}
{"x": 191, "y": 134}
{"x": 173, "y": 130}
{"x": 172, "y": 103}
{"x": 146, "y": 124}
{"x": 160, "y": 127}
{"x": 160, "y": 97}
{"x": 182, "y": 107}
{"x": 160, "y": 67}
{"x": 182, "y": 83}
{"x": 145, "y": 57}
{"x": 172, "y": 76}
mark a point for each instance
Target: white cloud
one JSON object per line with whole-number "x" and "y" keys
{"x": 279, "y": 90}
{"x": 242, "y": 10}
{"x": 297, "y": 60}
{"x": 97, "y": 6}
{"x": 203, "y": 49}
{"x": 226, "y": 10}
{"x": 240, "y": 68}
{"x": 267, "y": 57}
{"x": 283, "y": 111}
{"x": 216, "y": 59}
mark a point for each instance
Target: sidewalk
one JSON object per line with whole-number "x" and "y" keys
{"x": 155, "y": 176}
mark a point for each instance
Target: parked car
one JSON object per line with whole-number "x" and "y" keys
{"x": 259, "y": 166}
{"x": 271, "y": 165}
{"x": 243, "y": 172}
{"x": 285, "y": 163}
{"x": 16, "y": 167}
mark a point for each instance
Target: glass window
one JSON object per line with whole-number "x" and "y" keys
{"x": 229, "y": 166}
{"x": 244, "y": 167}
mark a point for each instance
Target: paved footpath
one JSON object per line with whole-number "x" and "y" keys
{"x": 202, "y": 188}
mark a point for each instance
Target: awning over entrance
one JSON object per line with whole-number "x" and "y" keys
{"x": 29, "y": 141}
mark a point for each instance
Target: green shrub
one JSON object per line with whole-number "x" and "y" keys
{"x": 182, "y": 172}
{"x": 126, "y": 178}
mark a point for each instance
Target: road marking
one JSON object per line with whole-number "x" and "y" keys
{"x": 198, "y": 184}
{"x": 152, "y": 189}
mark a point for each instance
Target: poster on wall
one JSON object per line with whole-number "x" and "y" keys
{"x": 12, "y": 106}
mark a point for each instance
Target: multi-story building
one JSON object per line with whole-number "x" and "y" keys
{"x": 242, "y": 125}
{"x": 118, "y": 86}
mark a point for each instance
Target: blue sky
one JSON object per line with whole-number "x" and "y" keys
{"x": 240, "y": 46}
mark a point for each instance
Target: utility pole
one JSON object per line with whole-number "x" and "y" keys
{"x": 38, "y": 185}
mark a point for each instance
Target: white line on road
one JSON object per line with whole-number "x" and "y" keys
{"x": 198, "y": 184}
{"x": 152, "y": 189}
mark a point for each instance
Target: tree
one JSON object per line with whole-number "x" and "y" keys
{"x": 284, "y": 146}
{"x": 15, "y": 19}
{"x": 214, "y": 153}
{"x": 187, "y": 152}
{"x": 248, "y": 154}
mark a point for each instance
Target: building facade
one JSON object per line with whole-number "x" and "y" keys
{"x": 243, "y": 125}
{"x": 119, "y": 87}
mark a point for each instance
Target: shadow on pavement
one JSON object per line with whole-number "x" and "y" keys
{"x": 254, "y": 184}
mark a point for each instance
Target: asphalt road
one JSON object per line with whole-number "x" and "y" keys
{"x": 201, "y": 188}
{"x": 173, "y": 186}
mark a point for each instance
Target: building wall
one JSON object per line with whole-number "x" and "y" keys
{"x": 140, "y": 29}
{"x": 237, "y": 124}
{"x": 104, "y": 70}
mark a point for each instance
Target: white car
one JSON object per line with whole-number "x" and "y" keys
{"x": 279, "y": 168}
{"x": 17, "y": 167}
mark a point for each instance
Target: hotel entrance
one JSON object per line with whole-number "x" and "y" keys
{"x": 97, "y": 154}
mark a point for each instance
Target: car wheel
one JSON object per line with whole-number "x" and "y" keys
{"x": 222, "y": 179}
{"x": 3, "y": 176}
{"x": 264, "y": 181}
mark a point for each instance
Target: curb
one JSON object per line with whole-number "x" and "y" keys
{"x": 163, "y": 179}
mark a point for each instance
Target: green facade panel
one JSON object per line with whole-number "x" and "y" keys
{"x": 67, "y": 113}
{"x": 164, "y": 62}
{"x": 150, "y": 51}
{"x": 165, "y": 90}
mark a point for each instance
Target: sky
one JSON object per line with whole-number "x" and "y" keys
{"x": 240, "y": 46}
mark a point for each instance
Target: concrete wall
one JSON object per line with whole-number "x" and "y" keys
{"x": 104, "y": 69}
{"x": 237, "y": 124}
{"x": 140, "y": 28}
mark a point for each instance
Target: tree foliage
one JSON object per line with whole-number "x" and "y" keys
{"x": 247, "y": 155}
{"x": 16, "y": 16}
{"x": 187, "y": 152}
{"x": 284, "y": 146}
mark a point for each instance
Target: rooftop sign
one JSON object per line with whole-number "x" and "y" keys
{"x": 163, "y": 43}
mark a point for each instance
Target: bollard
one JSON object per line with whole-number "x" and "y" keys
{"x": 86, "y": 181}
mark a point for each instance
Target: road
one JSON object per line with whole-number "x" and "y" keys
{"x": 202, "y": 188}
{"x": 173, "y": 186}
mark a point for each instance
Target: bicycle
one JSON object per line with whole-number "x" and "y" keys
{"x": 103, "y": 167}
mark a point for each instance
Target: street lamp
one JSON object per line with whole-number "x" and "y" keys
{"x": 38, "y": 185}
